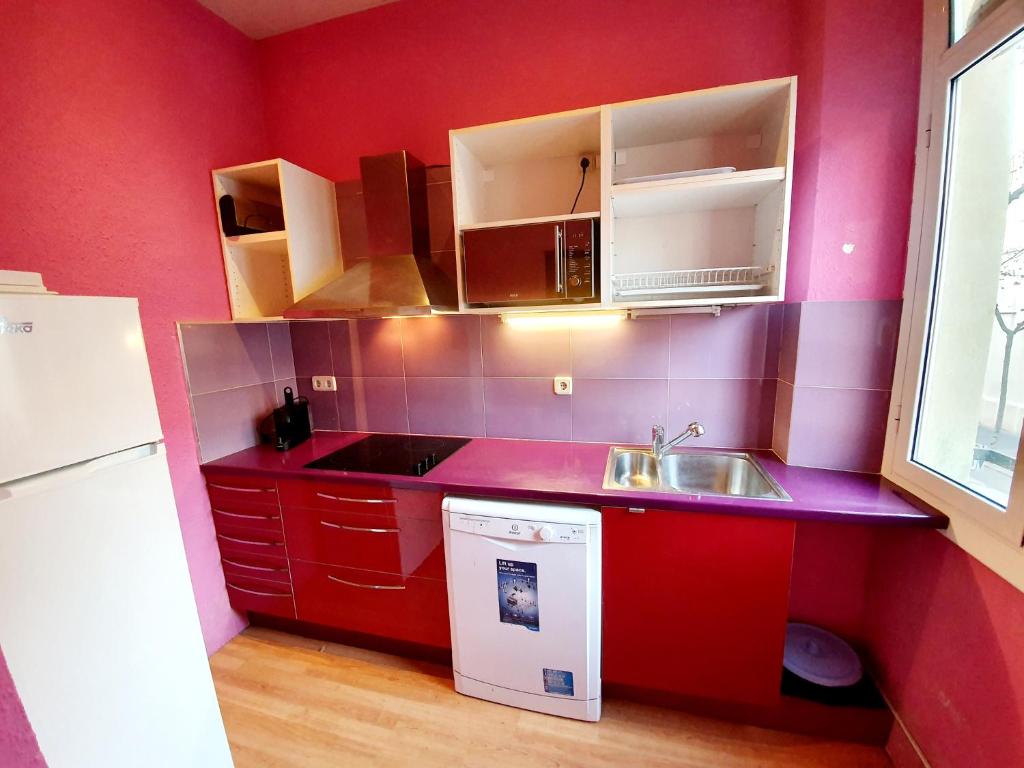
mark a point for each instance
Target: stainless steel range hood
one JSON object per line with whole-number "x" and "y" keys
{"x": 399, "y": 277}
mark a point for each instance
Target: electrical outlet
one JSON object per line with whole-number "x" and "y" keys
{"x": 592, "y": 159}
{"x": 325, "y": 384}
{"x": 563, "y": 385}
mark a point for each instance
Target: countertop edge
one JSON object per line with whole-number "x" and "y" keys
{"x": 922, "y": 516}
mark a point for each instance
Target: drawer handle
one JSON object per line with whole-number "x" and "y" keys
{"x": 356, "y": 501}
{"x": 365, "y": 586}
{"x": 361, "y": 530}
{"x": 253, "y": 567}
{"x": 240, "y": 490}
{"x": 249, "y": 517}
{"x": 261, "y": 594}
{"x": 247, "y": 541}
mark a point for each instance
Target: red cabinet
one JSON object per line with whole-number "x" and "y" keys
{"x": 250, "y": 534}
{"x": 391, "y": 543}
{"x": 355, "y": 556}
{"x": 696, "y": 604}
{"x": 387, "y": 605}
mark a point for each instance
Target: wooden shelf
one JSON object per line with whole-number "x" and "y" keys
{"x": 258, "y": 238}
{"x": 267, "y": 272}
{"x": 533, "y": 220}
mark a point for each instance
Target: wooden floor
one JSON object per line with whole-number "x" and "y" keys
{"x": 289, "y": 701}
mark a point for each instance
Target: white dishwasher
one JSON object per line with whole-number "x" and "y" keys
{"x": 524, "y": 596}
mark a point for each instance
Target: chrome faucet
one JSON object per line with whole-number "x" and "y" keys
{"x": 658, "y": 445}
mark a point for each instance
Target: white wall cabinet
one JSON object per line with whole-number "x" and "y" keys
{"x": 693, "y": 190}
{"x": 267, "y": 272}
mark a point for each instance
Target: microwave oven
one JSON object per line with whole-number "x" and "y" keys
{"x": 554, "y": 262}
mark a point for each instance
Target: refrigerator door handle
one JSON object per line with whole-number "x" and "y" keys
{"x": 64, "y": 475}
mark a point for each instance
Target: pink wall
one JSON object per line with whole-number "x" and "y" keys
{"x": 859, "y": 64}
{"x": 114, "y": 112}
{"x": 402, "y": 75}
{"x": 946, "y": 637}
{"x": 18, "y": 747}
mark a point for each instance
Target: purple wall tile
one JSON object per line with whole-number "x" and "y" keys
{"x": 375, "y": 348}
{"x": 323, "y": 406}
{"x": 224, "y": 355}
{"x": 373, "y": 404}
{"x": 617, "y": 410}
{"x": 635, "y": 349}
{"x": 311, "y": 348}
{"x": 524, "y": 353}
{"x": 446, "y": 345}
{"x": 341, "y": 338}
{"x": 788, "y": 345}
{"x": 838, "y": 428}
{"x": 527, "y": 408}
{"x": 446, "y": 406}
{"x": 226, "y": 421}
{"x": 783, "y": 417}
{"x": 766, "y": 421}
{"x": 281, "y": 350}
{"x": 731, "y": 410}
{"x": 731, "y": 346}
{"x": 773, "y": 340}
{"x": 847, "y": 344}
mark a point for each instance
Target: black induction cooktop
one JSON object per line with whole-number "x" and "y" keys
{"x": 391, "y": 454}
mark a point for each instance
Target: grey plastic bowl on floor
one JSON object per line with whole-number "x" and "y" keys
{"x": 820, "y": 657}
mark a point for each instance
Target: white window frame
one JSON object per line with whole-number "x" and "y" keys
{"x": 991, "y": 535}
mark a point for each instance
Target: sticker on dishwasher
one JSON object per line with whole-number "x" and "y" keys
{"x": 517, "y": 594}
{"x": 558, "y": 681}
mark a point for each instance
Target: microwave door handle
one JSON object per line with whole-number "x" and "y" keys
{"x": 559, "y": 288}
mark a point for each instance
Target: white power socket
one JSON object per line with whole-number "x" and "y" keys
{"x": 563, "y": 385}
{"x": 325, "y": 384}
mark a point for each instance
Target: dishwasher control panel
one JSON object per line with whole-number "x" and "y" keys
{"x": 522, "y": 530}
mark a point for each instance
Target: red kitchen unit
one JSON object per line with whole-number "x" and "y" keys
{"x": 695, "y": 605}
{"x": 355, "y": 557}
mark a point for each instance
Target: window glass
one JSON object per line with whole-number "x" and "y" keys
{"x": 966, "y": 14}
{"x": 972, "y": 400}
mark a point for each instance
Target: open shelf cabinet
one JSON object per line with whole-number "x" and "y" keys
{"x": 697, "y": 198}
{"x": 267, "y": 272}
{"x": 693, "y": 190}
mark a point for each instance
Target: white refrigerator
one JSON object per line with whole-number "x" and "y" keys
{"x": 98, "y": 622}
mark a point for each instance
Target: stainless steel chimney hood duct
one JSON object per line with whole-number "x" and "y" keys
{"x": 399, "y": 277}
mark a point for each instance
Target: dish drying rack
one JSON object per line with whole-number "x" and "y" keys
{"x": 682, "y": 281}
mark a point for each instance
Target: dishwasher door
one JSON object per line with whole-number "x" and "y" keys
{"x": 524, "y": 587}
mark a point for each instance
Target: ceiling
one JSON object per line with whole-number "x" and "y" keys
{"x": 264, "y": 18}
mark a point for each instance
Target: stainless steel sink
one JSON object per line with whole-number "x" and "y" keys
{"x": 713, "y": 473}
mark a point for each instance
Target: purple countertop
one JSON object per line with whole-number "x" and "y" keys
{"x": 574, "y": 473}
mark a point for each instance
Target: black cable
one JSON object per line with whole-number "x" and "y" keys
{"x": 584, "y": 164}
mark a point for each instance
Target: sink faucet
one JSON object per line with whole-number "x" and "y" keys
{"x": 658, "y": 445}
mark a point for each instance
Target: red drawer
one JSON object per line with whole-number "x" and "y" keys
{"x": 396, "y": 607}
{"x": 246, "y": 594}
{"x": 225, "y": 490}
{"x": 354, "y": 497}
{"x": 268, "y": 567}
{"x": 249, "y": 517}
{"x": 388, "y": 543}
{"x": 239, "y": 540}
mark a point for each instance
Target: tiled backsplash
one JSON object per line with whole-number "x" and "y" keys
{"x": 236, "y": 374}
{"x": 809, "y": 380}
{"x": 835, "y": 376}
{"x": 475, "y": 376}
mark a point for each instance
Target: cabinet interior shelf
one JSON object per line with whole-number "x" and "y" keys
{"x": 532, "y": 220}
{"x": 743, "y": 189}
{"x": 256, "y": 238}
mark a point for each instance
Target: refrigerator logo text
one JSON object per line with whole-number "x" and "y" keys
{"x": 9, "y": 328}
